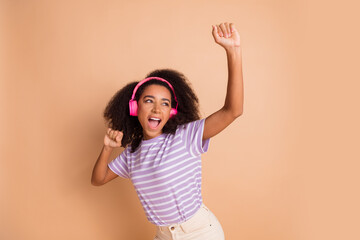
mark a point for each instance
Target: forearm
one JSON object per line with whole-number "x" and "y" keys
{"x": 101, "y": 166}
{"x": 235, "y": 93}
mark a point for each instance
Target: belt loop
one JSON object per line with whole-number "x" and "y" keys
{"x": 205, "y": 207}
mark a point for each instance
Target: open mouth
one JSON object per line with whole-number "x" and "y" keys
{"x": 154, "y": 122}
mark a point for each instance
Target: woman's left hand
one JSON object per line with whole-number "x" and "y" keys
{"x": 226, "y": 35}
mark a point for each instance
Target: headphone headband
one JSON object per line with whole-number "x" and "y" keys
{"x": 153, "y": 78}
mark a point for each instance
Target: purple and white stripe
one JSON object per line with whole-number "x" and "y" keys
{"x": 166, "y": 173}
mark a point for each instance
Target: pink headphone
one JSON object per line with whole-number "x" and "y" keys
{"x": 133, "y": 106}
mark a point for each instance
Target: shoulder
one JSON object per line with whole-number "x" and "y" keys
{"x": 127, "y": 152}
{"x": 190, "y": 126}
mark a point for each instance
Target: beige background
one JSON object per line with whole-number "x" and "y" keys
{"x": 287, "y": 169}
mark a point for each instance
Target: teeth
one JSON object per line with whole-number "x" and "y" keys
{"x": 155, "y": 119}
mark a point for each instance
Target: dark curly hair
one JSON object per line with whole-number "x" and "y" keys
{"x": 117, "y": 111}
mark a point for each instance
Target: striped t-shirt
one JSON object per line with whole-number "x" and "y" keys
{"x": 166, "y": 173}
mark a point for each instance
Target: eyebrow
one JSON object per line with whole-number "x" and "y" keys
{"x": 150, "y": 96}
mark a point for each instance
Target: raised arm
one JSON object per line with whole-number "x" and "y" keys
{"x": 102, "y": 173}
{"x": 228, "y": 37}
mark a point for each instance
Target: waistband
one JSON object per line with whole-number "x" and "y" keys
{"x": 183, "y": 224}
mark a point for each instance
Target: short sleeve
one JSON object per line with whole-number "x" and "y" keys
{"x": 192, "y": 134}
{"x": 119, "y": 165}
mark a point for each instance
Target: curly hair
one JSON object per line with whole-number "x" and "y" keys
{"x": 117, "y": 110}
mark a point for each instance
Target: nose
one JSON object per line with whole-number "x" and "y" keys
{"x": 156, "y": 108}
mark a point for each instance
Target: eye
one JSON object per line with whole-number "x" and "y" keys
{"x": 148, "y": 100}
{"x": 165, "y": 104}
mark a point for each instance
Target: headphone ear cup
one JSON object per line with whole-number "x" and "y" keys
{"x": 173, "y": 112}
{"x": 133, "y": 107}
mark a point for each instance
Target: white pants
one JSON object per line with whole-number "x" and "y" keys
{"x": 202, "y": 226}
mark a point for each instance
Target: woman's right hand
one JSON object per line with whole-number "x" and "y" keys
{"x": 113, "y": 138}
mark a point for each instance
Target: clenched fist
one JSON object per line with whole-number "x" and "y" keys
{"x": 113, "y": 138}
{"x": 226, "y": 35}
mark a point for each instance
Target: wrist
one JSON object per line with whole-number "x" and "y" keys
{"x": 236, "y": 50}
{"x": 107, "y": 148}
{"x": 234, "y": 55}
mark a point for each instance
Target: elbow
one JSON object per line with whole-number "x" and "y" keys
{"x": 95, "y": 182}
{"x": 233, "y": 113}
{"x": 237, "y": 113}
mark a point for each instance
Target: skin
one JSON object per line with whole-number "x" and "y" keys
{"x": 152, "y": 104}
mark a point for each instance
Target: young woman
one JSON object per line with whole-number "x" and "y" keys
{"x": 157, "y": 121}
